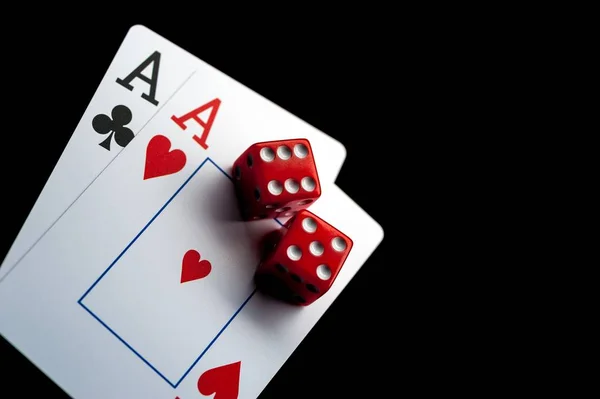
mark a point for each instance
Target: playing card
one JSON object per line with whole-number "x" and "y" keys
{"x": 145, "y": 74}
{"x": 144, "y": 288}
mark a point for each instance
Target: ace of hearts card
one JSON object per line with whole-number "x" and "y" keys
{"x": 144, "y": 287}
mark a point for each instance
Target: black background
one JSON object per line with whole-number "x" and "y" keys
{"x": 335, "y": 73}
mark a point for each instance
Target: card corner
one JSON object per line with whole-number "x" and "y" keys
{"x": 380, "y": 231}
{"x": 138, "y": 27}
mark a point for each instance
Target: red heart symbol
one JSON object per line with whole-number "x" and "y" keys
{"x": 160, "y": 161}
{"x": 223, "y": 381}
{"x": 192, "y": 268}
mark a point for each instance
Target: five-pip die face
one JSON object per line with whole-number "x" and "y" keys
{"x": 305, "y": 259}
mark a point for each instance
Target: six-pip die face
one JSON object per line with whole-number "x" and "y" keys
{"x": 276, "y": 178}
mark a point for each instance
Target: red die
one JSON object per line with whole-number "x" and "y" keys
{"x": 303, "y": 259}
{"x": 276, "y": 178}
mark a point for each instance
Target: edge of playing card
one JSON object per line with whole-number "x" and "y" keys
{"x": 144, "y": 28}
{"x": 380, "y": 232}
{"x": 65, "y": 149}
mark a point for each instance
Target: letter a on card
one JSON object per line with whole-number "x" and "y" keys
{"x": 194, "y": 114}
{"x": 154, "y": 59}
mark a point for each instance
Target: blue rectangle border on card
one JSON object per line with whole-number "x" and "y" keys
{"x": 173, "y": 384}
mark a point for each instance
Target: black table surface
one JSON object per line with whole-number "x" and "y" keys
{"x": 336, "y": 79}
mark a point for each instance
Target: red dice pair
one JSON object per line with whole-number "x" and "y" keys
{"x": 302, "y": 259}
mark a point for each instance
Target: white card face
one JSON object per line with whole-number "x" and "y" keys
{"x": 145, "y": 74}
{"x": 157, "y": 307}
{"x": 116, "y": 300}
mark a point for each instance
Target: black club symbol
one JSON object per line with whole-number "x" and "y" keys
{"x": 103, "y": 124}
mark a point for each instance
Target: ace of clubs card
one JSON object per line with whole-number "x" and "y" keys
{"x": 145, "y": 74}
{"x": 144, "y": 288}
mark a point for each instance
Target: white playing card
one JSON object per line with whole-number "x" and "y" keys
{"x": 103, "y": 304}
{"x": 142, "y": 78}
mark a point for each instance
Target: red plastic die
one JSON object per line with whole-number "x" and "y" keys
{"x": 303, "y": 259}
{"x": 276, "y": 178}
